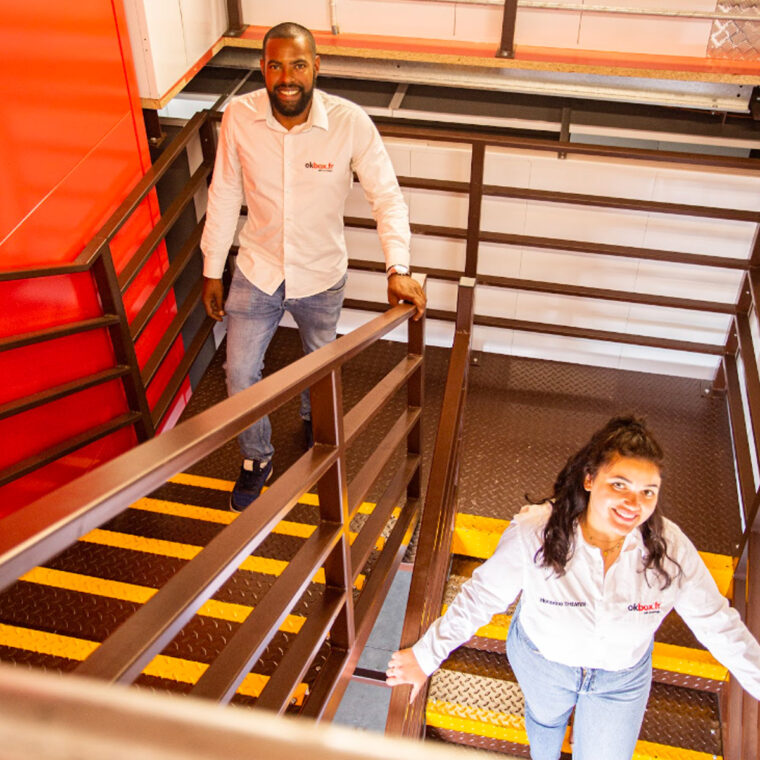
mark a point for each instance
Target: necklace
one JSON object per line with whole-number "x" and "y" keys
{"x": 595, "y": 541}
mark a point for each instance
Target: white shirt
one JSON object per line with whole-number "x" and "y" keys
{"x": 587, "y": 619}
{"x": 295, "y": 185}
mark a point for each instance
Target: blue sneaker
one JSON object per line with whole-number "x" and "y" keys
{"x": 253, "y": 475}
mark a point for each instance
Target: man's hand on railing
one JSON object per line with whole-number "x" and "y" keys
{"x": 404, "y": 669}
{"x": 213, "y": 298}
{"x": 405, "y": 288}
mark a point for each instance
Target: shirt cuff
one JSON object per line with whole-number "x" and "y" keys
{"x": 213, "y": 269}
{"x": 397, "y": 255}
{"x": 424, "y": 658}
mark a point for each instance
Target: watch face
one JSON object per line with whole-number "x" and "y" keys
{"x": 400, "y": 269}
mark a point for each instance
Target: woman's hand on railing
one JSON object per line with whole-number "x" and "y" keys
{"x": 403, "y": 668}
{"x": 213, "y": 298}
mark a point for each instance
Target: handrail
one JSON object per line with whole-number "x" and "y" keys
{"x": 96, "y": 258}
{"x": 44, "y": 716}
{"x": 432, "y": 555}
{"x": 38, "y": 531}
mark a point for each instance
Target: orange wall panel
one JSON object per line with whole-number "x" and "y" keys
{"x": 72, "y": 146}
{"x": 62, "y": 92}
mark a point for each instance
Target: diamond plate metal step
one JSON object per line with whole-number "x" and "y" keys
{"x": 475, "y": 700}
{"x": 55, "y": 616}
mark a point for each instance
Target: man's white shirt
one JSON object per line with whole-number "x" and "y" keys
{"x": 585, "y": 618}
{"x": 294, "y": 184}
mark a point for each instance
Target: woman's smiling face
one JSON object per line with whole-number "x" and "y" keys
{"x": 622, "y": 495}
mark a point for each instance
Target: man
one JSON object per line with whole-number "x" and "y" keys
{"x": 289, "y": 151}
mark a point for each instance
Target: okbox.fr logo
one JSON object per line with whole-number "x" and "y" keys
{"x": 319, "y": 167}
{"x": 647, "y": 609}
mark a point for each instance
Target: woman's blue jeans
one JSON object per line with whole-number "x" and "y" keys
{"x": 609, "y": 704}
{"x": 252, "y": 318}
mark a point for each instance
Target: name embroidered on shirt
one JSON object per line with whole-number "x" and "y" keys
{"x": 647, "y": 609}
{"x": 319, "y": 167}
{"x": 561, "y": 604}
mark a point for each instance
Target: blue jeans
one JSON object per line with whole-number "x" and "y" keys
{"x": 609, "y": 704}
{"x": 253, "y": 317}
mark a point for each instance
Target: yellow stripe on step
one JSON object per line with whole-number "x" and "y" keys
{"x": 200, "y": 481}
{"x": 511, "y": 728}
{"x": 191, "y": 512}
{"x": 87, "y": 584}
{"x": 263, "y": 565}
{"x": 162, "y": 666}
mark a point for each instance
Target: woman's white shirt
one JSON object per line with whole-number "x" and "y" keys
{"x": 585, "y": 618}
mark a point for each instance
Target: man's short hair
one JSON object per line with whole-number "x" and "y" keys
{"x": 289, "y": 30}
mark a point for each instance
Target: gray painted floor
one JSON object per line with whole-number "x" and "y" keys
{"x": 365, "y": 705}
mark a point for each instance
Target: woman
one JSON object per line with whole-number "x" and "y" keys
{"x": 599, "y": 568}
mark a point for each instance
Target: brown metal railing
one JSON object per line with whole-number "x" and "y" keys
{"x": 432, "y": 557}
{"x": 37, "y": 532}
{"x": 97, "y": 260}
{"x": 740, "y": 715}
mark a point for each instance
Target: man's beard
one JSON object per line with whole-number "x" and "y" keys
{"x": 297, "y": 107}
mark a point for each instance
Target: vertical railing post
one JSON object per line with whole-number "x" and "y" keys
{"x": 327, "y": 424}
{"x": 742, "y": 453}
{"x": 415, "y": 394}
{"x": 235, "y": 24}
{"x": 732, "y": 701}
{"x": 207, "y": 134}
{"x": 750, "y": 712}
{"x": 507, "y": 45}
{"x": 477, "y": 168}
{"x": 107, "y": 285}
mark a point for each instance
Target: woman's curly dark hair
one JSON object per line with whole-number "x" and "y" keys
{"x": 626, "y": 436}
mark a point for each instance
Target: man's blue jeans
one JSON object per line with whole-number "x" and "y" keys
{"x": 609, "y": 704}
{"x": 252, "y": 318}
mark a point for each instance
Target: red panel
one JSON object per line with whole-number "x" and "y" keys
{"x": 73, "y": 145}
{"x": 25, "y": 490}
{"x": 37, "y": 367}
{"x": 47, "y": 301}
{"x": 56, "y": 422}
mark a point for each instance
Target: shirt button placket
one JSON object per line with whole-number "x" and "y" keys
{"x": 286, "y": 198}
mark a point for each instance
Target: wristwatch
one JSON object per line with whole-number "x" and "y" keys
{"x": 398, "y": 269}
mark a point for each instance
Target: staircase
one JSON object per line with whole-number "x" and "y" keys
{"x": 56, "y": 615}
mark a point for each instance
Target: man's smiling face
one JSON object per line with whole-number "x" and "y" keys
{"x": 290, "y": 70}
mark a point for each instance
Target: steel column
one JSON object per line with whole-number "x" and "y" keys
{"x": 507, "y": 46}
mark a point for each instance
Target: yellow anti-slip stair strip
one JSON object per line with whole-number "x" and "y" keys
{"x": 130, "y": 592}
{"x": 200, "y": 481}
{"x": 162, "y": 666}
{"x": 511, "y": 728}
{"x": 477, "y": 537}
{"x": 263, "y": 565}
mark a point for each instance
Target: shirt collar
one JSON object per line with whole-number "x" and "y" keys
{"x": 317, "y": 116}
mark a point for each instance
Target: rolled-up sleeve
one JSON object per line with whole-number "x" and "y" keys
{"x": 225, "y": 197}
{"x": 373, "y": 166}
{"x": 492, "y": 588}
